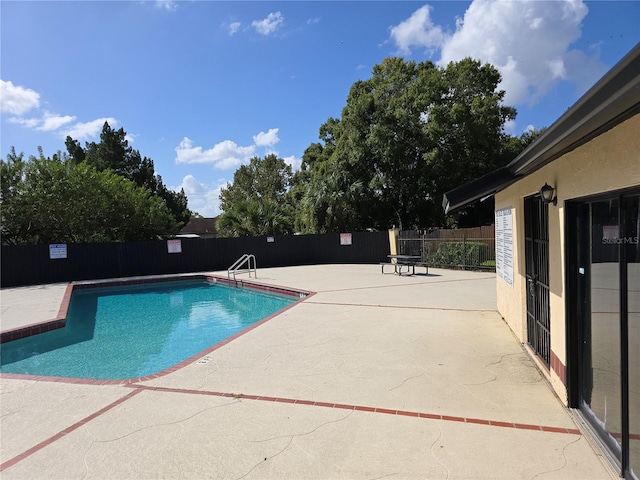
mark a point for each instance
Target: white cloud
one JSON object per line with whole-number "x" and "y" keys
{"x": 25, "y": 122}
{"x": 85, "y": 130}
{"x": 417, "y": 31}
{"x": 52, "y": 121}
{"x": 234, "y": 27}
{"x": 226, "y": 154}
{"x": 510, "y": 127}
{"x": 268, "y": 25}
{"x": 169, "y": 5}
{"x": 266, "y": 139}
{"x": 17, "y": 100}
{"x": 204, "y": 199}
{"x": 528, "y": 41}
{"x": 130, "y": 137}
{"x": 293, "y": 161}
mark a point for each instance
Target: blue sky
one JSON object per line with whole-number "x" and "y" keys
{"x": 202, "y": 86}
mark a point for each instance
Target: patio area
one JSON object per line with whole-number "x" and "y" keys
{"x": 374, "y": 376}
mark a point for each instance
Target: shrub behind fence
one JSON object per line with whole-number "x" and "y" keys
{"x": 465, "y": 248}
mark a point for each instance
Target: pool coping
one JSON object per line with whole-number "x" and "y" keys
{"x": 61, "y": 319}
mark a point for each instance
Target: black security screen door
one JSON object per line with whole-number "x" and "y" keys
{"x": 536, "y": 217}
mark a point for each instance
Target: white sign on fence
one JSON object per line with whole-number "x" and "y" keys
{"x": 174, "y": 246}
{"x": 345, "y": 239}
{"x": 57, "y": 250}
{"x": 504, "y": 245}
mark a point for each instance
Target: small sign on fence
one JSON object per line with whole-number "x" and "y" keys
{"x": 345, "y": 239}
{"x": 174, "y": 246}
{"x": 57, "y": 250}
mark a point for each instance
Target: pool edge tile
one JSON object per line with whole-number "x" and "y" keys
{"x": 60, "y": 321}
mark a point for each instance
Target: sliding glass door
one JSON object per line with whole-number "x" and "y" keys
{"x": 601, "y": 396}
{"x": 631, "y": 257}
{"x": 604, "y": 320}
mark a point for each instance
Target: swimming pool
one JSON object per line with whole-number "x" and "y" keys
{"x": 123, "y": 332}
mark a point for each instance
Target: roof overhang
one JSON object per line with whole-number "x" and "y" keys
{"x": 612, "y": 100}
{"x": 476, "y": 190}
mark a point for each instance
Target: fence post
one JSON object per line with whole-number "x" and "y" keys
{"x": 464, "y": 253}
{"x": 394, "y": 240}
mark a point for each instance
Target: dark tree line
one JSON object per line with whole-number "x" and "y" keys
{"x": 114, "y": 153}
{"x": 102, "y": 192}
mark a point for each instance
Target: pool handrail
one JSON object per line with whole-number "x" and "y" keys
{"x": 236, "y": 267}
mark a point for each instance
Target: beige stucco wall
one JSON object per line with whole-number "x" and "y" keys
{"x": 394, "y": 233}
{"x": 609, "y": 162}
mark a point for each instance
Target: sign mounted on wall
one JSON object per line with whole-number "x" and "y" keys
{"x": 57, "y": 250}
{"x": 345, "y": 239}
{"x": 174, "y": 246}
{"x": 504, "y": 245}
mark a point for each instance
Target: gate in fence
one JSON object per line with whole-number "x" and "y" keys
{"x": 464, "y": 248}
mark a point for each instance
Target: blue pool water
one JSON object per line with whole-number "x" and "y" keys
{"x": 134, "y": 331}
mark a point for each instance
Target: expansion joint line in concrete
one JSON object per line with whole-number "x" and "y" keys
{"x": 360, "y": 408}
{"x": 409, "y": 307}
{"x": 403, "y": 285}
{"x": 27, "y": 453}
{"x": 137, "y": 388}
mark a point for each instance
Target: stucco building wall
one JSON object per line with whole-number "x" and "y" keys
{"x": 609, "y": 162}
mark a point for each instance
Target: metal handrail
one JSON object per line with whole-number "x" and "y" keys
{"x": 236, "y": 267}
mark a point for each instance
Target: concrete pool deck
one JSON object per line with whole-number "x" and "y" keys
{"x": 374, "y": 376}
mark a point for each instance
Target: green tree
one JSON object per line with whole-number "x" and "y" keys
{"x": 466, "y": 128}
{"x": 330, "y": 203}
{"x": 406, "y": 136}
{"x": 256, "y": 203}
{"x": 324, "y": 197}
{"x": 75, "y": 150}
{"x": 482, "y": 213}
{"x": 11, "y": 177}
{"x": 113, "y": 153}
{"x": 61, "y": 201}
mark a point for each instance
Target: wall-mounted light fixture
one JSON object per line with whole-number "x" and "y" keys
{"x": 546, "y": 192}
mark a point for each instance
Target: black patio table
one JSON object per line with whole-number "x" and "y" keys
{"x": 405, "y": 260}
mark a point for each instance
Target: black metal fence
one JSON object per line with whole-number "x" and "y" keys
{"x": 465, "y": 248}
{"x": 33, "y": 265}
